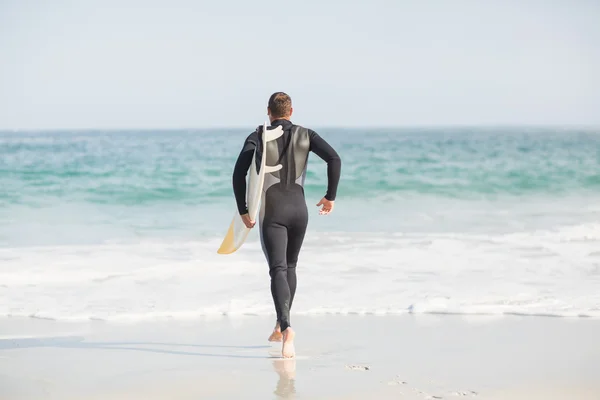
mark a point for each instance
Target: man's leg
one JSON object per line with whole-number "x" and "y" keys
{"x": 295, "y": 239}
{"x": 276, "y": 336}
{"x": 275, "y": 237}
{"x": 296, "y": 230}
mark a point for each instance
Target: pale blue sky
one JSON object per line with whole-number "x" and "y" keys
{"x": 172, "y": 64}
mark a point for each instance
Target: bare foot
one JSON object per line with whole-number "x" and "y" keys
{"x": 288, "y": 350}
{"x": 276, "y": 336}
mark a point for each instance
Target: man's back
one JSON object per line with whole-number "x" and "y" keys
{"x": 291, "y": 150}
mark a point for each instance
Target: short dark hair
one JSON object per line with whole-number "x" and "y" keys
{"x": 280, "y": 105}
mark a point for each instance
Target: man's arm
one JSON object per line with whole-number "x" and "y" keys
{"x": 320, "y": 147}
{"x": 241, "y": 170}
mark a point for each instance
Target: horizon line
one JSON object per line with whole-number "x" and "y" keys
{"x": 316, "y": 126}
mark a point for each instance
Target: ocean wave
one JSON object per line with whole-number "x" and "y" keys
{"x": 545, "y": 273}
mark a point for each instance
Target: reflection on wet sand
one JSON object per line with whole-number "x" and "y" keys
{"x": 286, "y": 369}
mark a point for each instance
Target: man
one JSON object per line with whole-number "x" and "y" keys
{"x": 283, "y": 214}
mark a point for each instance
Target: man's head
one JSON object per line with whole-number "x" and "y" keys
{"x": 280, "y": 106}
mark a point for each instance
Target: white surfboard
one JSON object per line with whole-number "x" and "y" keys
{"x": 237, "y": 233}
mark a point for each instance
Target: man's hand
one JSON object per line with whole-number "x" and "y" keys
{"x": 247, "y": 221}
{"x": 327, "y": 206}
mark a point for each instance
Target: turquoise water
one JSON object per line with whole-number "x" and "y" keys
{"x": 194, "y": 167}
{"x": 125, "y": 225}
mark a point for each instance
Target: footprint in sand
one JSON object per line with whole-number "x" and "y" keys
{"x": 461, "y": 393}
{"x": 397, "y": 381}
{"x": 357, "y": 367}
{"x": 428, "y": 396}
{"x": 464, "y": 393}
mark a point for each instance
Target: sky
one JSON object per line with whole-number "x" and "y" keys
{"x": 125, "y": 64}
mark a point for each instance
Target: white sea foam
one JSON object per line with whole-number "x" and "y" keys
{"x": 545, "y": 272}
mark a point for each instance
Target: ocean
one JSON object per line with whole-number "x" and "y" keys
{"x": 125, "y": 225}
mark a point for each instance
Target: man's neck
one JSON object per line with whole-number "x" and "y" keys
{"x": 279, "y": 119}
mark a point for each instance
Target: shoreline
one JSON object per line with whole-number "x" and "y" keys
{"x": 240, "y": 316}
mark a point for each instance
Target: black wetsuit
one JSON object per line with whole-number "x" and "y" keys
{"x": 283, "y": 213}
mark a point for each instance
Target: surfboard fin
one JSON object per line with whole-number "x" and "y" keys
{"x": 272, "y": 134}
{"x": 273, "y": 168}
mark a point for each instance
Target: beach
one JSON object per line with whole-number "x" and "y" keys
{"x": 338, "y": 357}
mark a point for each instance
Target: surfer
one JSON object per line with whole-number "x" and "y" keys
{"x": 283, "y": 215}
